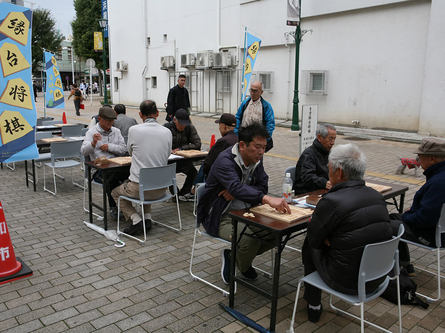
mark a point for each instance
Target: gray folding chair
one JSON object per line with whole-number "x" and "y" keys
{"x": 199, "y": 232}
{"x": 42, "y": 156}
{"x": 440, "y": 229}
{"x": 153, "y": 179}
{"x": 84, "y": 131}
{"x": 74, "y": 130}
{"x": 377, "y": 261}
{"x": 62, "y": 154}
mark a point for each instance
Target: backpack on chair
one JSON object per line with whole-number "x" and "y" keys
{"x": 407, "y": 291}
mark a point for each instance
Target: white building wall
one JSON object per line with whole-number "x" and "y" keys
{"x": 380, "y": 55}
{"x": 375, "y": 60}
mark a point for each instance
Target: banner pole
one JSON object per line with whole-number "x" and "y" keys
{"x": 244, "y": 63}
{"x": 44, "y": 84}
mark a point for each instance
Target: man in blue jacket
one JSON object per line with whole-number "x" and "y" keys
{"x": 421, "y": 219}
{"x": 237, "y": 180}
{"x": 255, "y": 109}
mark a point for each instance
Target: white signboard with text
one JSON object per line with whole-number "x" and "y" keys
{"x": 309, "y": 118}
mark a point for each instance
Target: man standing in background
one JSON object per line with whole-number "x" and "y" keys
{"x": 178, "y": 98}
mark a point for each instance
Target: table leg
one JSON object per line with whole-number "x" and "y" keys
{"x": 232, "y": 263}
{"x": 90, "y": 195}
{"x": 275, "y": 283}
{"x": 104, "y": 198}
{"x": 402, "y": 202}
{"x": 33, "y": 174}
{"x": 26, "y": 173}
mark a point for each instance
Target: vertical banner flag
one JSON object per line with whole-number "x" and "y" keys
{"x": 98, "y": 41}
{"x": 251, "y": 49}
{"x": 105, "y": 16}
{"x": 17, "y": 108}
{"x": 54, "y": 89}
{"x": 293, "y": 12}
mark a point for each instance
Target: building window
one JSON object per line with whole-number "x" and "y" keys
{"x": 314, "y": 82}
{"x": 266, "y": 80}
{"x": 154, "y": 81}
{"x": 116, "y": 84}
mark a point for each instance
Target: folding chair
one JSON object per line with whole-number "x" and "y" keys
{"x": 60, "y": 151}
{"x": 42, "y": 156}
{"x": 440, "y": 229}
{"x": 50, "y": 122}
{"x": 84, "y": 131}
{"x": 74, "y": 130}
{"x": 153, "y": 179}
{"x": 199, "y": 232}
{"x": 377, "y": 261}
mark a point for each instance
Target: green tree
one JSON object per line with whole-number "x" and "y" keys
{"x": 44, "y": 36}
{"x": 88, "y": 13}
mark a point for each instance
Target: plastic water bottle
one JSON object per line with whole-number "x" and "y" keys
{"x": 287, "y": 188}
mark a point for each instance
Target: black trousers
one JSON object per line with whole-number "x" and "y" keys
{"x": 112, "y": 180}
{"x": 186, "y": 167}
{"x": 311, "y": 294}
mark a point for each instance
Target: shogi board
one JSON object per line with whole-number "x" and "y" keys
{"x": 297, "y": 213}
{"x": 191, "y": 153}
{"x": 378, "y": 187}
{"x": 59, "y": 139}
{"x": 61, "y": 125}
{"x": 121, "y": 160}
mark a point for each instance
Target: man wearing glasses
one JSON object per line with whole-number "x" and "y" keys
{"x": 255, "y": 109}
{"x": 312, "y": 172}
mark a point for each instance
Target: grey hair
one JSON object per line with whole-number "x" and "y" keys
{"x": 322, "y": 129}
{"x": 350, "y": 159}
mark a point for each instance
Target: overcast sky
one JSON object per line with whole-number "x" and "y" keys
{"x": 62, "y": 12}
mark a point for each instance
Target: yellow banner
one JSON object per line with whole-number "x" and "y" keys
{"x": 98, "y": 41}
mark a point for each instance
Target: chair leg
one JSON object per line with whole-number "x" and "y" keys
{"x": 44, "y": 181}
{"x": 362, "y": 318}
{"x": 118, "y": 220}
{"x": 439, "y": 276}
{"x": 85, "y": 188}
{"x": 399, "y": 306}
{"x": 179, "y": 218}
{"x": 291, "y": 327}
{"x": 196, "y": 277}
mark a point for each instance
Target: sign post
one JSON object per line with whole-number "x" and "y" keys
{"x": 91, "y": 63}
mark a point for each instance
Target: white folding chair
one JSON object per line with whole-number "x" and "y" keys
{"x": 440, "y": 229}
{"x": 199, "y": 232}
{"x": 60, "y": 151}
{"x": 74, "y": 130}
{"x": 153, "y": 179}
{"x": 378, "y": 259}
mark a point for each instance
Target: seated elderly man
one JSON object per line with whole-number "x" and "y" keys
{"x": 185, "y": 137}
{"x": 237, "y": 180}
{"x": 311, "y": 172}
{"x": 103, "y": 140}
{"x": 421, "y": 219}
{"x": 149, "y": 145}
{"x": 346, "y": 219}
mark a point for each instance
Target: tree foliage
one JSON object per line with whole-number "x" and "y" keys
{"x": 88, "y": 13}
{"x": 44, "y": 36}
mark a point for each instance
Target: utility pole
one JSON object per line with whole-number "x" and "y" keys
{"x": 103, "y": 24}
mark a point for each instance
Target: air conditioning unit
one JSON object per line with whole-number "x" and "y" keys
{"x": 167, "y": 62}
{"x": 121, "y": 66}
{"x": 204, "y": 60}
{"x": 222, "y": 60}
{"x": 188, "y": 60}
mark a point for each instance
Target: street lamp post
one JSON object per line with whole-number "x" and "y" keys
{"x": 295, "y": 121}
{"x": 103, "y": 24}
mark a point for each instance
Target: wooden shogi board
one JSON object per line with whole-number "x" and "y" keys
{"x": 121, "y": 160}
{"x": 378, "y": 187}
{"x": 61, "y": 125}
{"x": 191, "y": 153}
{"x": 57, "y": 139}
{"x": 297, "y": 213}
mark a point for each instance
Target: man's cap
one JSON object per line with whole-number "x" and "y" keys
{"x": 183, "y": 117}
{"x": 106, "y": 112}
{"x": 431, "y": 146}
{"x": 227, "y": 119}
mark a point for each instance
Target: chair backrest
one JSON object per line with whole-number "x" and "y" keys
{"x": 199, "y": 193}
{"x": 157, "y": 178}
{"x": 66, "y": 149}
{"x": 50, "y": 122}
{"x": 378, "y": 260}
{"x": 440, "y": 227}
{"x": 291, "y": 170}
{"x": 75, "y": 130}
{"x": 43, "y": 135}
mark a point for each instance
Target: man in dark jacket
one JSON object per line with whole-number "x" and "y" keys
{"x": 178, "y": 98}
{"x": 311, "y": 172}
{"x": 236, "y": 181}
{"x": 421, "y": 219}
{"x": 346, "y": 219}
{"x": 185, "y": 137}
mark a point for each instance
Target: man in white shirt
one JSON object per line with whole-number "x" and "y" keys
{"x": 149, "y": 145}
{"x": 103, "y": 140}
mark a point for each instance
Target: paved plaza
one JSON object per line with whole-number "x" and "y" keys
{"x": 83, "y": 283}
